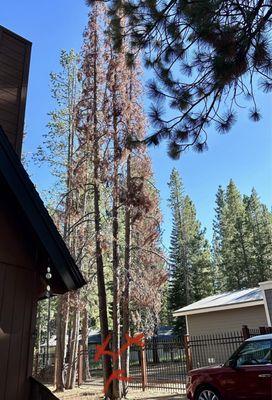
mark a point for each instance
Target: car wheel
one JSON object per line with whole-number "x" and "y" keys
{"x": 207, "y": 394}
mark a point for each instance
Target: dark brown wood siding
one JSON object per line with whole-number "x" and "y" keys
{"x": 17, "y": 287}
{"x": 18, "y": 293}
{"x": 14, "y": 69}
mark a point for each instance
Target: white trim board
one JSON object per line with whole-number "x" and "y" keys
{"x": 266, "y": 286}
{"x": 219, "y": 308}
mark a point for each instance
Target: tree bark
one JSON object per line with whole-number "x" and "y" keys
{"x": 63, "y": 309}
{"x": 86, "y": 366}
{"x": 73, "y": 350}
{"x": 38, "y": 342}
{"x": 115, "y": 247}
{"x": 102, "y": 296}
{"x": 62, "y": 324}
{"x": 156, "y": 358}
{"x": 103, "y": 313}
{"x": 126, "y": 293}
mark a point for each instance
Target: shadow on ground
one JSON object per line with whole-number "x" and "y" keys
{"x": 167, "y": 397}
{"x": 155, "y": 396}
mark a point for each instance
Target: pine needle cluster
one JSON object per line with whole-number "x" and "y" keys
{"x": 206, "y": 55}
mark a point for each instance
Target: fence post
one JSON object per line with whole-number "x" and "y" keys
{"x": 80, "y": 365}
{"x": 263, "y": 330}
{"x": 245, "y": 332}
{"x": 188, "y": 352}
{"x": 143, "y": 367}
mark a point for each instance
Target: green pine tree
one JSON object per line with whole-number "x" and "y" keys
{"x": 236, "y": 242}
{"x": 202, "y": 279}
{"x": 190, "y": 260}
{"x": 259, "y": 223}
{"x": 216, "y": 45}
{"x": 165, "y": 315}
{"x": 217, "y": 240}
{"x": 242, "y": 240}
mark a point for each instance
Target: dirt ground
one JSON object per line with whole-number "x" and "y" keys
{"x": 93, "y": 391}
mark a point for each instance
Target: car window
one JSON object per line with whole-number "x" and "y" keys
{"x": 255, "y": 353}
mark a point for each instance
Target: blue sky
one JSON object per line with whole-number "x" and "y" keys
{"x": 244, "y": 154}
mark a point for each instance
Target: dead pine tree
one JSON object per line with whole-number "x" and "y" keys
{"x": 110, "y": 113}
{"x": 127, "y": 263}
{"x": 116, "y": 112}
{"x": 126, "y": 116}
{"x": 117, "y": 79}
{"x": 130, "y": 170}
{"x": 134, "y": 123}
{"x": 91, "y": 125}
{"x": 148, "y": 274}
{"x": 115, "y": 237}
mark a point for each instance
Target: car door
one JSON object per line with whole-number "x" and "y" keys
{"x": 251, "y": 378}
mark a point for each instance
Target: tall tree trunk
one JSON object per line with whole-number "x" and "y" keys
{"x": 38, "y": 342}
{"x": 126, "y": 293}
{"x": 61, "y": 345}
{"x": 155, "y": 352}
{"x": 73, "y": 347}
{"x": 115, "y": 247}
{"x": 63, "y": 309}
{"x": 86, "y": 366}
{"x": 102, "y": 297}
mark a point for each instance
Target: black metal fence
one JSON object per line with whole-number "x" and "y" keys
{"x": 95, "y": 366}
{"x": 263, "y": 330}
{"x": 161, "y": 364}
{"x": 205, "y": 350}
{"x": 214, "y": 349}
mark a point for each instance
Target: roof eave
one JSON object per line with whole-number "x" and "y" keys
{"x": 180, "y": 313}
{"x": 36, "y": 213}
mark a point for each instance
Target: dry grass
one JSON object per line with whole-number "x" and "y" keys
{"x": 93, "y": 391}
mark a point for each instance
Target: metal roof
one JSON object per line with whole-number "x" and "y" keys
{"x": 13, "y": 174}
{"x": 93, "y": 337}
{"x": 223, "y": 301}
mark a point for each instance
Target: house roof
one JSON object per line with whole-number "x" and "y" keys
{"x": 94, "y": 337}
{"x": 16, "y": 178}
{"x": 165, "y": 331}
{"x": 224, "y": 301}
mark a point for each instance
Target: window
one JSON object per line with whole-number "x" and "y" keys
{"x": 255, "y": 353}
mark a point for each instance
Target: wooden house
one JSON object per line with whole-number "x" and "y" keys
{"x": 29, "y": 241}
{"x": 14, "y": 69}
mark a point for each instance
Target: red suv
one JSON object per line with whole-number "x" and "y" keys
{"x": 247, "y": 375}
